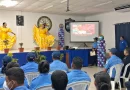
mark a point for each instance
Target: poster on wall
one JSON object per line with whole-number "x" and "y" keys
{"x": 19, "y": 20}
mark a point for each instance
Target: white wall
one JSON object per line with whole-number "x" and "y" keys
{"x": 24, "y": 33}
{"x": 107, "y": 26}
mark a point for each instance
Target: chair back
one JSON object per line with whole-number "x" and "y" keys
{"x": 53, "y": 71}
{"x": 118, "y": 69}
{"x": 80, "y": 85}
{"x": 125, "y": 70}
{"x": 30, "y": 76}
{"x": 45, "y": 88}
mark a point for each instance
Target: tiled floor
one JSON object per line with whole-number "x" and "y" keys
{"x": 91, "y": 71}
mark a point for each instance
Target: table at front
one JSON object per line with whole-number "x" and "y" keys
{"x": 68, "y": 56}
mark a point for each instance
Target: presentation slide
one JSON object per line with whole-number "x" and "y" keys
{"x": 84, "y": 31}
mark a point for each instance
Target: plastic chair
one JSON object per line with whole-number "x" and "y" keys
{"x": 30, "y": 76}
{"x": 118, "y": 69}
{"x": 53, "y": 71}
{"x": 45, "y": 88}
{"x": 123, "y": 77}
{"x": 79, "y": 85}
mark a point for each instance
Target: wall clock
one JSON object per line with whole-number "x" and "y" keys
{"x": 45, "y": 19}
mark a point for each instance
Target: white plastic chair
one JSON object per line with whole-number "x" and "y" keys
{"x": 30, "y": 76}
{"x": 79, "y": 85}
{"x": 53, "y": 71}
{"x": 45, "y": 88}
{"x": 118, "y": 69}
{"x": 123, "y": 77}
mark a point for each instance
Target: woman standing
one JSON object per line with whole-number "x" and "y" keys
{"x": 4, "y": 35}
{"x": 42, "y": 37}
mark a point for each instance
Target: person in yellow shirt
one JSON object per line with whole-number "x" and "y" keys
{"x": 42, "y": 37}
{"x": 5, "y": 35}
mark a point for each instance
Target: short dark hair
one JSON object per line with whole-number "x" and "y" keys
{"x": 12, "y": 64}
{"x": 31, "y": 56}
{"x": 43, "y": 67}
{"x": 59, "y": 80}
{"x": 78, "y": 62}
{"x": 123, "y": 37}
{"x": 16, "y": 74}
{"x": 103, "y": 81}
{"x": 128, "y": 50}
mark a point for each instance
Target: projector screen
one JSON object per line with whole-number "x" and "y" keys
{"x": 84, "y": 31}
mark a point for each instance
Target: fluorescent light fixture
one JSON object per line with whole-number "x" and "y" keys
{"x": 48, "y": 7}
{"x": 103, "y": 4}
{"x": 63, "y": 1}
{"x": 8, "y": 3}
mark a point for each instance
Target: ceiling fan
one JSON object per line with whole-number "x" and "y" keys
{"x": 68, "y": 9}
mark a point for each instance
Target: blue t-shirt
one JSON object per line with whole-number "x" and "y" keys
{"x": 21, "y": 88}
{"x": 94, "y": 45}
{"x": 41, "y": 80}
{"x": 78, "y": 75}
{"x": 30, "y": 67}
{"x": 113, "y": 60}
{"x": 123, "y": 45}
{"x": 58, "y": 65}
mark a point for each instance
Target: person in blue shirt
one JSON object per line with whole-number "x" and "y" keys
{"x": 59, "y": 80}
{"x": 44, "y": 79}
{"x": 77, "y": 74}
{"x": 5, "y": 60}
{"x": 57, "y": 64}
{"x": 15, "y": 79}
{"x": 10, "y": 65}
{"x": 113, "y": 60}
{"x": 123, "y": 44}
{"x": 94, "y": 45}
{"x": 31, "y": 66}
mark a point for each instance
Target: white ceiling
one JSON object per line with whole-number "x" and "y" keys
{"x": 77, "y": 7}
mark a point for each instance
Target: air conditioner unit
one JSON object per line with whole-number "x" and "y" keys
{"x": 125, "y": 8}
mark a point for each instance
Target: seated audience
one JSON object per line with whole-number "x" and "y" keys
{"x": 102, "y": 81}
{"x": 59, "y": 80}
{"x": 77, "y": 74}
{"x": 31, "y": 66}
{"x": 44, "y": 79}
{"x": 126, "y": 61}
{"x": 15, "y": 81}
{"x": 113, "y": 60}
{"x": 5, "y": 61}
{"x": 57, "y": 64}
{"x": 127, "y": 84}
{"x": 10, "y": 65}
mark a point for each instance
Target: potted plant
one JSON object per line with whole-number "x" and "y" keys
{"x": 6, "y": 42}
{"x": 36, "y": 46}
{"x": 21, "y": 49}
{"x": 39, "y": 57}
{"x": 50, "y": 43}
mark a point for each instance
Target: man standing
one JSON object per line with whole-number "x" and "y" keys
{"x": 122, "y": 46}
{"x": 61, "y": 35}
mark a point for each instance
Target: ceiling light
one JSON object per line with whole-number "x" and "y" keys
{"x": 48, "y": 7}
{"x": 103, "y": 4}
{"x": 8, "y": 3}
{"x": 63, "y": 1}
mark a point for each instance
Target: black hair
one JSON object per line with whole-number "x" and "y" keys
{"x": 16, "y": 74}
{"x": 4, "y": 23}
{"x": 59, "y": 80}
{"x": 78, "y": 62}
{"x": 128, "y": 50}
{"x": 5, "y": 60}
{"x": 123, "y": 37}
{"x": 43, "y": 67}
{"x": 12, "y": 64}
{"x": 102, "y": 80}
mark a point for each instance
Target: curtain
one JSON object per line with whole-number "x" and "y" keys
{"x": 122, "y": 29}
